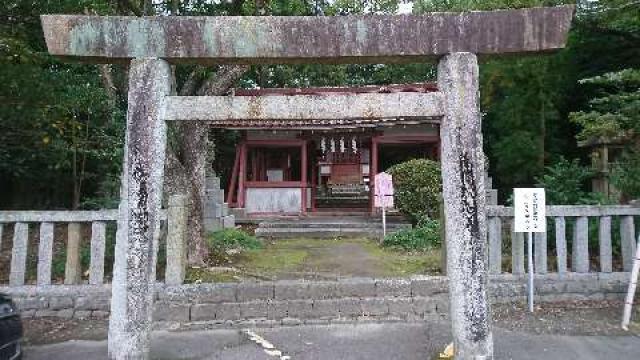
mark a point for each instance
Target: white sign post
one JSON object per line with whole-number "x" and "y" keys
{"x": 529, "y": 217}
{"x": 383, "y": 187}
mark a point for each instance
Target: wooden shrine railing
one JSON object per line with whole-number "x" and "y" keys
{"x": 564, "y": 221}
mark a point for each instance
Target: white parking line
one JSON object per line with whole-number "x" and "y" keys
{"x": 268, "y": 347}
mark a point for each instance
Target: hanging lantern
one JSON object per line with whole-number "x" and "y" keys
{"x": 354, "y": 145}
{"x": 342, "y": 148}
{"x": 323, "y": 145}
{"x": 333, "y": 145}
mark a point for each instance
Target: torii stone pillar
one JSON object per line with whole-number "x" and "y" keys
{"x": 462, "y": 163}
{"x": 141, "y": 195}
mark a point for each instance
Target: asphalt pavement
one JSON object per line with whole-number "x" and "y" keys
{"x": 406, "y": 341}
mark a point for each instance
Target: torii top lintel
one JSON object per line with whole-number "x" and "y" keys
{"x": 325, "y": 39}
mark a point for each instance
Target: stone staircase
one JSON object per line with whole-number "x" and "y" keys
{"x": 216, "y": 211}
{"x": 327, "y": 227}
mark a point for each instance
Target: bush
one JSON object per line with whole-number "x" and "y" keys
{"x": 229, "y": 240}
{"x": 565, "y": 183}
{"x": 418, "y": 185}
{"x": 425, "y": 236}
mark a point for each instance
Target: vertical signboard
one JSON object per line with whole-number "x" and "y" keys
{"x": 383, "y": 196}
{"x": 529, "y": 217}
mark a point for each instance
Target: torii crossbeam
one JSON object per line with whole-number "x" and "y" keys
{"x": 150, "y": 44}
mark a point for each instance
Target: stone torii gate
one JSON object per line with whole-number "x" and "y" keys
{"x": 150, "y": 44}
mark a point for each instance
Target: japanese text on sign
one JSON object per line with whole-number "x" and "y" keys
{"x": 383, "y": 190}
{"x": 529, "y": 208}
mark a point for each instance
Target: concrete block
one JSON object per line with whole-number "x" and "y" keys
{"x": 62, "y": 314}
{"x": 323, "y": 290}
{"x": 400, "y": 307}
{"x": 360, "y": 288}
{"x": 100, "y": 315}
{"x": 60, "y": 302}
{"x": 201, "y": 312}
{"x": 300, "y": 309}
{"x": 82, "y": 315}
{"x": 255, "y": 291}
{"x": 31, "y": 303}
{"x": 228, "y": 311}
{"x": 291, "y": 290}
{"x": 199, "y": 293}
{"x": 427, "y": 286}
{"x": 326, "y": 308}
{"x": 171, "y": 312}
{"x": 93, "y": 303}
{"x": 254, "y": 309}
{"x": 422, "y": 306}
{"x": 374, "y": 307}
{"x": 393, "y": 288}
{"x": 349, "y": 307}
{"x": 291, "y": 322}
{"x": 277, "y": 310}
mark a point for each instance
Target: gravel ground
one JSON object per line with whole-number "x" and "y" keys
{"x": 562, "y": 318}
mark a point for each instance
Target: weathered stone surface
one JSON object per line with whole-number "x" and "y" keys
{"x": 60, "y": 302}
{"x": 604, "y": 240}
{"x": 289, "y": 290}
{"x": 304, "y": 109}
{"x": 326, "y": 308}
{"x": 72, "y": 270}
{"x": 462, "y": 163}
{"x": 199, "y": 293}
{"x": 294, "y": 39}
{"x": 628, "y": 241}
{"x": 31, "y": 303}
{"x": 19, "y": 254}
{"x": 428, "y": 286}
{"x": 581, "y": 245}
{"x": 201, "y": 312}
{"x": 393, "y": 287}
{"x": 93, "y": 303}
{"x": 171, "y": 312}
{"x": 254, "y": 309}
{"x": 517, "y": 252}
{"x": 300, "y": 309}
{"x": 561, "y": 244}
{"x": 82, "y": 314}
{"x": 58, "y": 216}
{"x": 495, "y": 245}
{"x": 374, "y": 307}
{"x": 98, "y": 243}
{"x": 573, "y": 210}
{"x": 361, "y": 287}
{"x": 45, "y": 253}
{"x": 138, "y": 223}
{"x": 63, "y": 314}
{"x": 423, "y": 306}
{"x": 254, "y": 291}
{"x": 176, "y": 240}
{"x": 540, "y": 251}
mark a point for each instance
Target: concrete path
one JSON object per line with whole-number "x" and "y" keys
{"x": 353, "y": 342}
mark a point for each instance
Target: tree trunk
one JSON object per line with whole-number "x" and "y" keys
{"x": 187, "y": 174}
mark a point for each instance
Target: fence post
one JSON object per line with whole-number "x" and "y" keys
{"x": 45, "y": 253}
{"x": 604, "y": 240}
{"x": 176, "y": 240}
{"x": 540, "y": 246}
{"x": 517, "y": 251}
{"x": 72, "y": 268}
{"x": 627, "y": 237}
{"x": 495, "y": 245}
{"x": 561, "y": 244}
{"x": 19, "y": 254}
{"x": 581, "y": 245}
{"x": 98, "y": 242}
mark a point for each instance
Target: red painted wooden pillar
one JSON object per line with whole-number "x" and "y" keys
{"x": 314, "y": 180}
{"x": 373, "y": 170}
{"x": 242, "y": 174}
{"x": 234, "y": 177}
{"x": 303, "y": 175}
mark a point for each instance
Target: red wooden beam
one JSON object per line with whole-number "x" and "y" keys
{"x": 242, "y": 174}
{"x": 373, "y": 170}
{"x": 303, "y": 175}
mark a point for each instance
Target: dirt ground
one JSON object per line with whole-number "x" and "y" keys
{"x": 320, "y": 259}
{"x": 564, "y": 318}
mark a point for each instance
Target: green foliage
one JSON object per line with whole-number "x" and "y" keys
{"x": 626, "y": 174}
{"x": 423, "y": 237}
{"x": 232, "y": 240}
{"x": 418, "y": 185}
{"x": 565, "y": 183}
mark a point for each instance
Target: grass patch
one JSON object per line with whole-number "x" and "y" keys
{"x": 205, "y": 275}
{"x": 272, "y": 259}
{"x": 395, "y": 262}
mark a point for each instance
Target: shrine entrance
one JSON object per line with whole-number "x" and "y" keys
{"x": 150, "y": 44}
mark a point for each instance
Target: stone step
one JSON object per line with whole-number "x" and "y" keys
{"x": 320, "y": 225}
{"x": 319, "y": 233}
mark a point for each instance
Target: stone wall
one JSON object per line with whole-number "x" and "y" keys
{"x": 296, "y": 302}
